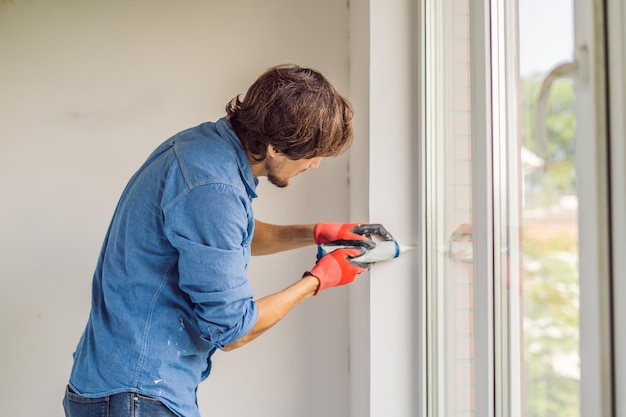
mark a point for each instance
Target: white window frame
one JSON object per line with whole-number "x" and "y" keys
{"x": 482, "y": 227}
{"x": 592, "y": 136}
{"x": 506, "y": 248}
{"x": 616, "y": 13}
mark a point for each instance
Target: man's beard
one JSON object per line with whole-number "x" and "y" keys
{"x": 272, "y": 178}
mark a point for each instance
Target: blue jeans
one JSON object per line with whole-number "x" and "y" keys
{"x": 126, "y": 404}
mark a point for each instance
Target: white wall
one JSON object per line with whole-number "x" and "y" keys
{"x": 87, "y": 90}
{"x": 386, "y": 309}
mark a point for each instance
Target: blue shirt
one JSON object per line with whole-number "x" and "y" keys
{"x": 170, "y": 286}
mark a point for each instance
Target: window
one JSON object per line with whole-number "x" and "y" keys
{"x": 505, "y": 297}
{"x": 501, "y": 213}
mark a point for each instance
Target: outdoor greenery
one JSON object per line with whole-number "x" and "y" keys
{"x": 550, "y": 264}
{"x": 557, "y": 177}
{"x": 551, "y": 330}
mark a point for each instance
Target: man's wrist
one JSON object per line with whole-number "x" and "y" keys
{"x": 312, "y": 280}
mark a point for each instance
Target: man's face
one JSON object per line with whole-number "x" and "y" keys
{"x": 281, "y": 169}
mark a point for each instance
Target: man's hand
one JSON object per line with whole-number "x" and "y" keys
{"x": 349, "y": 234}
{"x": 335, "y": 268}
{"x": 372, "y": 229}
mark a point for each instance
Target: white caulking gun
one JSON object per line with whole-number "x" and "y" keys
{"x": 384, "y": 248}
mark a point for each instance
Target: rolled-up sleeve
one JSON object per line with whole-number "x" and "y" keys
{"x": 211, "y": 228}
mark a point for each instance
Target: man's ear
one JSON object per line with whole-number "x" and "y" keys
{"x": 273, "y": 152}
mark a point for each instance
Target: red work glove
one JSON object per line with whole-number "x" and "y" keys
{"x": 335, "y": 269}
{"x": 350, "y": 234}
{"x": 342, "y": 232}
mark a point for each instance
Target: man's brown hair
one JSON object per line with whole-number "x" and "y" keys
{"x": 294, "y": 109}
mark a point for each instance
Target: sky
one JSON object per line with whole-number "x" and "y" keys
{"x": 546, "y": 34}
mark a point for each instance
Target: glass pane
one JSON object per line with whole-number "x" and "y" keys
{"x": 549, "y": 231}
{"x": 449, "y": 212}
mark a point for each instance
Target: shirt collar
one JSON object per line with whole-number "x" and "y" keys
{"x": 245, "y": 169}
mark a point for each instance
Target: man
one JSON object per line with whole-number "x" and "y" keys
{"x": 170, "y": 285}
